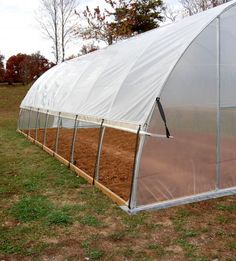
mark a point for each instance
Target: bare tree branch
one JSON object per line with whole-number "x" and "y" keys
{"x": 57, "y": 20}
{"x": 171, "y": 13}
{"x": 195, "y": 6}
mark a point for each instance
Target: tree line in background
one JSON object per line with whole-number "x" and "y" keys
{"x": 23, "y": 68}
{"x": 61, "y": 22}
{"x": 196, "y": 6}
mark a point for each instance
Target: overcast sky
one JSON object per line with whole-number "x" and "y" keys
{"x": 20, "y": 33}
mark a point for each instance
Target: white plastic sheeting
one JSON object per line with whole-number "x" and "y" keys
{"x": 199, "y": 99}
{"x": 119, "y": 83}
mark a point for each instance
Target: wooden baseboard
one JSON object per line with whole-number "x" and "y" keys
{"x": 114, "y": 197}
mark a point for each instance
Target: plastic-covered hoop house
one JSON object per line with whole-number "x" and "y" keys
{"x": 166, "y": 101}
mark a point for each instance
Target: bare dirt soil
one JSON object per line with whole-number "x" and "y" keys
{"x": 117, "y": 159}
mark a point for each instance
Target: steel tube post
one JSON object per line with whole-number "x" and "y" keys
{"x": 218, "y": 113}
{"x": 22, "y": 120}
{"x": 28, "y": 134}
{"x": 19, "y": 120}
{"x": 45, "y": 129}
{"x": 99, "y": 152}
{"x": 58, "y": 130}
{"x": 137, "y": 157}
{"x": 36, "y": 126}
{"x": 73, "y": 140}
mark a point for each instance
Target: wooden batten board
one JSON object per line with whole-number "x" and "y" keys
{"x": 49, "y": 151}
{"x": 38, "y": 143}
{"x": 81, "y": 173}
{"x": 61, "y": 159}
{"x": 119, "y": 201}
{"x": 114, "y": 197}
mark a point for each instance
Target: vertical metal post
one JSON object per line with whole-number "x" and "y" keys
{"x": 28, "y": 134}
{"x": 137, "y": 157}
{"x": 19, "y": 120}
{"x": 73, "y": 140}
{"x": 58, "y": 130}
{"x": 23, "y": 119}
{"x": 36, "y": 125}
{"x": 45, "y": 129}
{"x": 99, "y": 152}
{"x": 39, "y": 124}
{"x": 218, "y": 113}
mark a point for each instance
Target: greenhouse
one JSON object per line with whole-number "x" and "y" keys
{"x": 151, "y": 121}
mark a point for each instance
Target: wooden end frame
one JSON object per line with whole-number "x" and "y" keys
{"x": 115, "y": 198}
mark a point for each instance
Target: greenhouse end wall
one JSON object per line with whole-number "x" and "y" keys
{"x": 199, "y": 103}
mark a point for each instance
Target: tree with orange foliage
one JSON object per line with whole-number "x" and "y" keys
{"x": 13, "y": 68}
{"x": 98, "y": 27}
{"x": 26, "y": 68}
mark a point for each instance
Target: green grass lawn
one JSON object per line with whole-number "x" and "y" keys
{"x": 48, "y": 213}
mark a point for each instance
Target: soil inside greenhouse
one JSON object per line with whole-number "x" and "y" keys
{"x": 117, "y": 158}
